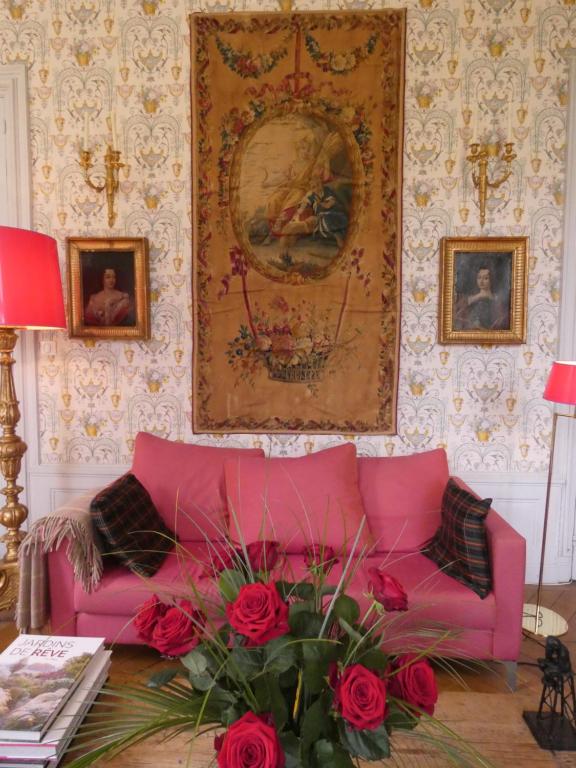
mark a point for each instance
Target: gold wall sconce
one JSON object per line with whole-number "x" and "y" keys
{"x": 112, "y": 167}
{"x": 482, "y": 157}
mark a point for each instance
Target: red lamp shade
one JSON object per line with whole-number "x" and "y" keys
{"x": 561, "y": 384}
{"x": 30, "y": 286}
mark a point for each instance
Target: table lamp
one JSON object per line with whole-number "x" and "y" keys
{"x": 30, "y": 297}
{"x": 560, "y": 388}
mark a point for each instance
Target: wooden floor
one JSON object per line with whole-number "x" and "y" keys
{"x": 484, "y": 712}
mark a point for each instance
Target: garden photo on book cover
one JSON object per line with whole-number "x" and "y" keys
{"x": 37, "y": 676}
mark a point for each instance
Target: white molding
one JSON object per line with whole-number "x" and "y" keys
{"x": 51, "y": 487}
{"x": 520, "y": 500}
{"x": 14, "y": 94}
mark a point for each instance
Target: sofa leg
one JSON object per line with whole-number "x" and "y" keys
{"x": 511, "y": 667}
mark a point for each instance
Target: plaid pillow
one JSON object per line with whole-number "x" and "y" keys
{"x": 459, "y": 546}
{"x": 133, "y": 531}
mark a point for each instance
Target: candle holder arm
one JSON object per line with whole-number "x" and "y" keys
{"x": 111, "y": 183}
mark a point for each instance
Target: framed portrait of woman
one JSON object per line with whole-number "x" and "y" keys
{"x": 108, "y": 288}
{"x": 483, "y": 290}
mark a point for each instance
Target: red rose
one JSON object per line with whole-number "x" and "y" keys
{"x": 258, "y": 613}
{"x": 178, "y": 630}
{"x": 320, "y": 556}
{"x": 263, "y": 555}
{"x": 360, "y": 697}
{"x": 147, "y": 617}
{"x": 250, "y": 742}
{"x": 414, "y": 681}
{"x": 387, "y": 590}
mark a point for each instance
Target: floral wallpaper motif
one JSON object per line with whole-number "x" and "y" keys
{"x": 474, "y": 67}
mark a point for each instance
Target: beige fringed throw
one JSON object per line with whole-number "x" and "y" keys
{"x": 72, "y": 522}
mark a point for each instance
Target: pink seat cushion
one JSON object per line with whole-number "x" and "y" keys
{"x": 403, "y": 497}
{"x": 309, "y": 499}
{"x": 186, "y": 483}
{"x": 433, "y": 596}
{"x": 119, "y": 593}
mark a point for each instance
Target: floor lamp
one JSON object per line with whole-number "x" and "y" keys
{"x": 30, "y": 297}
{"x": 560, "y": 388}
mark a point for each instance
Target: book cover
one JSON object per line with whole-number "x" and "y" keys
{"x": 38, "y": 673}
{"x": 65, "y": 725}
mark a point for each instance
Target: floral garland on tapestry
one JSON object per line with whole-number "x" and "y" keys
{"x": 297, "y": 126}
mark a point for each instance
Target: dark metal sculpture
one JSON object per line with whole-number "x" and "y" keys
{"x": 554, "y": 726}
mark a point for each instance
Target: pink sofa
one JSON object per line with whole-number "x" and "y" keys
{"x": 401, "y": 498}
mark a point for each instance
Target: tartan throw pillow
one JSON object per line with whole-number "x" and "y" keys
{"x": 460, "y": 546}
{"x": 132, "y": 530}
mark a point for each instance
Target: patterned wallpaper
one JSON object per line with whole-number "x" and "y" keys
{"x": 131, "y": 58}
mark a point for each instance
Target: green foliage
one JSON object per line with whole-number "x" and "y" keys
{"x": 291, "y": 746}
{"x": 330, "y": 754}
{"x": 281, "y": 654}
{"x": 271, "y": 699}
{"x": 159, "y": 679}
{"x": 303, "y": 622}
{"x": 315, "y": 723}
{"x": 367, "y": 744}
{"x": 347, "y": 608}
{"x": 371, "y": 657}
{"x": 244, "y": 663}
{"x": 230, "y": 583}
{"x": 300, "y": 590}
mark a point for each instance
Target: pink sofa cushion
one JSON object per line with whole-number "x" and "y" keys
{"x": 191, "y": 474}
{"x": 119, "y": 593}
{"x": 402, "y": 497}
{"x": 298, "y": 501}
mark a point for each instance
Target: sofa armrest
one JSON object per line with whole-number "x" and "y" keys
{"x": 508, "y": 561}
{"x": 63, "y": 542}
{"x": 61, "y": 591}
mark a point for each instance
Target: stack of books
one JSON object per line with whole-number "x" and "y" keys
{"x": 47, "y": 685}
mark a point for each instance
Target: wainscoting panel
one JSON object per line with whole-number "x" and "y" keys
{"x": 521, "y": 501}
{"x": 49, "y": 490}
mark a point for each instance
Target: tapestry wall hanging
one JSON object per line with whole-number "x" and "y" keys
{"x": 297, "y": 189}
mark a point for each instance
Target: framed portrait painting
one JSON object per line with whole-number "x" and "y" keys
{"x": 483, "y": 290}
{"x": 108, "y": 288}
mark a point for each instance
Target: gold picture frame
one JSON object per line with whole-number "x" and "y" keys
{"x": 483, "y": 290}
{"x": 108, "y": 287}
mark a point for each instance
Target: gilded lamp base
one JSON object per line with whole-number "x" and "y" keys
{"x": 543, "y": 622}
{"x": 8, "y": 586}
{"x": 12, "y": 449}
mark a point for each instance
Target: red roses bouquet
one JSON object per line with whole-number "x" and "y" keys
{"x": 293, "y": 673}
